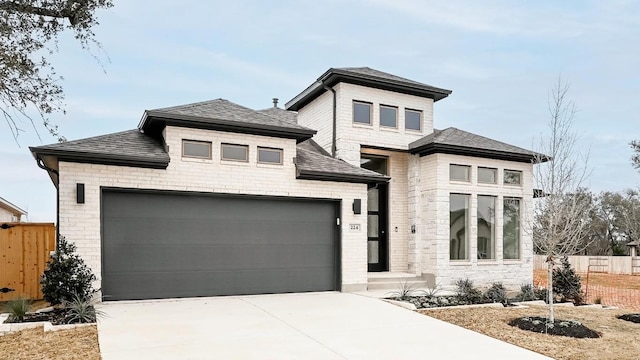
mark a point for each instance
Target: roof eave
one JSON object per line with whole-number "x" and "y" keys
{"x": 102, "y": 159}
{"x": 351, "y": 178}
{"x": 157, "y": 118}
{"x": 433, "y": 148}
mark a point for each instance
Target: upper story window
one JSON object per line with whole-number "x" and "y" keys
{"x": 459, "y": 172}
{"x": 374, "y": 163}
{"x": 362, "y": 112}
{"x": 412, "y": 119}
{"x": 487, "y": 175}
{"x": 269, "y": 155}
{"x": 388, "y": 116}
{"x": 235, "y": 152}
{"x": 196, "y": 149}
{"x": 512, "y": 177}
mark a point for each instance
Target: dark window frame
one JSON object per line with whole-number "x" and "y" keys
{"x": 222, "y": 145}
{"x": 467, "y": 227}
{"x": 209, "y": 143}
{"x": 420, "y": 112}
{"x": 353, "y": 109}
{"x": 514, "y": 171}
{"x": 395, "y": 120}
{"x": 518, "y": 226}
{"x": 279, "y": 150}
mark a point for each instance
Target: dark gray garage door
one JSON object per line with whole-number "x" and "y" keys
{"x": 174, "y": 245}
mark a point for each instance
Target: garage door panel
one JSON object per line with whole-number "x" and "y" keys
{"x": 165, "y": 245}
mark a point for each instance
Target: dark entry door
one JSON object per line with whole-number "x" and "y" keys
{"x": 165, "y": 245}
{"x": 377, "y": 244}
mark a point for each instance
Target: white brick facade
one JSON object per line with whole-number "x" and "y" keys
{"x": 80, "y": 223}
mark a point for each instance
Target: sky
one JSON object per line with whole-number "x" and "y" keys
{"x": 500, "y": 58}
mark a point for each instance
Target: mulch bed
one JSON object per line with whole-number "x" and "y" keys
{"x": 56, "y": 317}
{"x": 568, "y": 328}
{"x": 428, "y": 302}
{"x": 634, "y": 318}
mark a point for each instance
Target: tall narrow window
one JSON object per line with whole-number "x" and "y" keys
{"x": 511, "y": 229}
{"x": 412, "y": 119}
{"x": 388, "y": 116}
{"x": 458, "y": 226}
{"x": 486, "y": 227}
{"x": 362, "y": 112}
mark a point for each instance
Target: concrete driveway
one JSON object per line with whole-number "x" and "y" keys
{"x": 287, "y": 326}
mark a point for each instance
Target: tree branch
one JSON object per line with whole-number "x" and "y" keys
{"x": 64, "y": 13}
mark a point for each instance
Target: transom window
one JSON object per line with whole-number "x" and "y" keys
{"x": 487, "y": 175}
{"x": 234, "y": 152}
{"x": 388, "y": 116}
{"x": 362, "y": 112}
{"x": 196, "y": 149}
{"x": 374, "y": 163}
{"x": 269, "y": 155}
{"x": 512, "y": 177}
{"x": 412, "y": 119}
{"x": 458, "y": 226}
{"x": 459, "y": 172}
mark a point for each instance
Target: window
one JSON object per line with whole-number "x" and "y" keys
{"x": 362, "y": 112}
{"x": 196, "y": 149}
{"x": 412, "y": 119}
{"x": 511, "y": 229}
{"x": 269, "y": 155}
{"x": 458, "y": 224}
{"x": 388, "y": 116}
{"x": 374, "y": 163}
{"x": 235, "y": 152}
{"x": 486, "y": 227}
{"x": 487, "y": 175}
{"x": 459, "y": 172}
{"x": 512, "y": 177}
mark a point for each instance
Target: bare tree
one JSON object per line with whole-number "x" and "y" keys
{"x": 559, "y": 225}
{"x": 28, "y": 32}
{"x": 635, "y": 158}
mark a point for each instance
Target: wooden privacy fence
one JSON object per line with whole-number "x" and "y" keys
{"x": 25, "y": 249}
{"x": 601, "y": 264}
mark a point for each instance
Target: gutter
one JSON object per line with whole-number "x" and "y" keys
{"x": 43, "y": 166}
{"x": 333, "y": 136}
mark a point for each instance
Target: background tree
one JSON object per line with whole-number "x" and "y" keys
{"x": 560, "y": 216}
{"x": 29, "y": 30}
{"x": 635, "y": 158}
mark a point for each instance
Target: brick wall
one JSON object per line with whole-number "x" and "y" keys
{"x": 80, "y": 223}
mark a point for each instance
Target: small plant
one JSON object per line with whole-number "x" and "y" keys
{"x": 467, "y": 292}
{"x": 432, "y": 291}
{"x": 496, "y": 294}
{"x": 566, "y": 283}
{"x": 404, "y": 290}
{"x": 17, "y": 309}
{"x": 598, "y": 300}
{"x": 81, "y": 310}
{"x": 66, "y": 275}
{"x": 527, "y": 293}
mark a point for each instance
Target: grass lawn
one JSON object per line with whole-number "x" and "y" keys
{"x": 619, "y": 338}
{"x": 35, "y": 344}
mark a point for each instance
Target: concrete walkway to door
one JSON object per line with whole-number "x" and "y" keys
{"x": 287, "y": 326}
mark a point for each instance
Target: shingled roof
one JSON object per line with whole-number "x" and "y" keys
{"x": 455, "y": 141}
{"x": 128, "y": 148}
{"x": 368, "y": 77}
{"x": 282, "y": 114}
{"x": 312, "y": 163}
{"x": 223, "y": 115}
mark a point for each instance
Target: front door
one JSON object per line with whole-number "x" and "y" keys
{"x": 377, "y": 218}
{"x": 377, "y": 245}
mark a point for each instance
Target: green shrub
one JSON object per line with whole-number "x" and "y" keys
{"x": 66, "y": 276}
{"x": 496, "y": 294}
{"x": 527, "y": 293}
{"x": 566, "y": 283}
{"x": 81, "y": 310}
{"x": 467, "y": 292}
{"x": 403, "y": 290}
{"x": 17, "y": 309}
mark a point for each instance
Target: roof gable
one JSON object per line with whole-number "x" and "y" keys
{"x": 368, "y": 77}
{"x": 223, "y": 115}
{"x": 5, "y": 204}
{"x": 455, "y": 141}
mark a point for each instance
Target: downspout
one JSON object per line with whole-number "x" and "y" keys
{"x": 333, "y": 136}
{"x": 42, "y": 166}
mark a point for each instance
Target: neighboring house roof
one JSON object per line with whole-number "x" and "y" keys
{"x": 459, "y": 142}
{"x": 312, "y": 163}
{"x": 5, "y": 204}
{"x": 366, "y": 77}
{"x": 282, "y": 114}
{"x": 223, "y": 115}
{"x": 127, "y": 148}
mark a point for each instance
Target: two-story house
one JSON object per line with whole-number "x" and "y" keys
{"x": 348, "y": 187}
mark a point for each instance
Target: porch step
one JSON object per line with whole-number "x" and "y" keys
{"x": 393, "y": 281}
